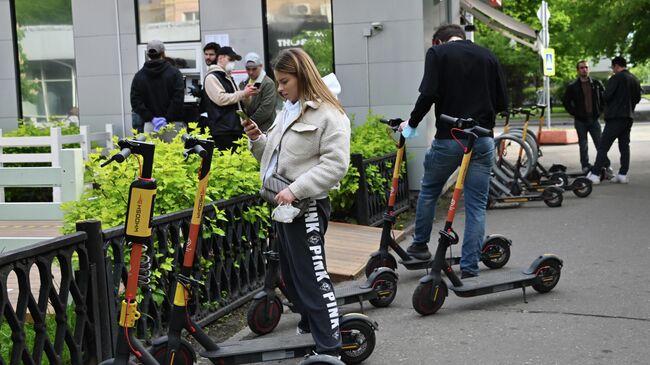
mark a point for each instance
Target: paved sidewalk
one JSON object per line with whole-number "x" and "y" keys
{"x": 598, "y": 314}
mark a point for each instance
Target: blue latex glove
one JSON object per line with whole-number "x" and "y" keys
{"x": 158, "y": 122}
{"x": 409, "y": 132}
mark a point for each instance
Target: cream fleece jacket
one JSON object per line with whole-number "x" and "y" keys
{"x": 314, "y": 151}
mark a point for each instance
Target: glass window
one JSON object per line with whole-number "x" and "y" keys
{"x": 169, "y": 20}
{"x": 301, "y": 23}
{"x": 46, "y": 58}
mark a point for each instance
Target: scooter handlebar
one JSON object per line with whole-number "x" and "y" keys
{"x": 392, "y": 123}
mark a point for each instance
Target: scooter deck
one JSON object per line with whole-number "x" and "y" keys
{"x": 262, "y": 349}
{"x": 416, "y": 264}
{"x": 353, "y": 294}
{"x": 496, "y": 281}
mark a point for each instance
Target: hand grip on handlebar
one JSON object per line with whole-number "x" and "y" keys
{"x": 392, "y": 123}
{"x": 196, "y": 149}
{"x": 461, "y": 123}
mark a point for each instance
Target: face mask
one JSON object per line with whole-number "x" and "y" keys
{"x": 230, "y": 66}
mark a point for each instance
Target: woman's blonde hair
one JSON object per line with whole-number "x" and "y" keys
{"x": 296, "y": 62}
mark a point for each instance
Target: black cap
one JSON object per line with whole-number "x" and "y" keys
{"x": 228, "y": 51}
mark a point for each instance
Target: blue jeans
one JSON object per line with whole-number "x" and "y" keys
{"x": 442, "y": 159}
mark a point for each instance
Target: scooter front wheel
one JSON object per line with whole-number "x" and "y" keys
{"x": 428, "y": 297}
{"x": 377, "y": 261}
{"x": 548, "y": 275}
{"x": 553, "y": 196}
{"x": 357, "y": 341}
{"x": 264, "y": 315}
{"x": 385, "y": 285}
{"x": 582, "y": 187}
{"x": 184, "y": 356}
{"x": 495, "y": 253}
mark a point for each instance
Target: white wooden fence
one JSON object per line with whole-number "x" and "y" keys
{"x": 65, "y": 175}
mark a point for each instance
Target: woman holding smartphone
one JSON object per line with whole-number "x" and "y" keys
{"x": 308, "y": 144}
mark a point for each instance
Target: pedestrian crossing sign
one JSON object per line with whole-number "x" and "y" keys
{"x": 549, "y": 62}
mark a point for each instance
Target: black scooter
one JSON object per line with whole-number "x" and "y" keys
{"x": 357, "y": 331}
{"x": 495, "y": 252}
{"x": 543, "y": 274}
{"x": 266, "y": 308}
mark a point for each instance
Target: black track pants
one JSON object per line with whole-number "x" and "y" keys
{"x": 309, "y": 288}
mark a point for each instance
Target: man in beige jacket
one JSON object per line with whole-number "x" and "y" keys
{"x": 222, "y": 99}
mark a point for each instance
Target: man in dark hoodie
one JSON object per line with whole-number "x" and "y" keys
{"x": 157, "y": 90}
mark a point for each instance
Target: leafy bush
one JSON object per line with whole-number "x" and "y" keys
{"x": 232, "y": 174}
{"x": 370, "y": 139}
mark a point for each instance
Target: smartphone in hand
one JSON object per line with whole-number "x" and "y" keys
{"x": 257, "y": 85}
{"x": 242, "y": 115}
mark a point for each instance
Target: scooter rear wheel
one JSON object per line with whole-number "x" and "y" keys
{"x": 377, "y": 261}
{"x": 263, "y": 315}
{"x": 496, "y": 253}
{"x": 559, "y": 179}
{"x": 357, "y": 341}
{"x": 427, "y": 299}
{"x": 385, "y": 285}
{"x": 184, "y": 356}
{"x": 582, "y": 187}
{"x": 548, "y": 275}
{"x": 553, "y": 196}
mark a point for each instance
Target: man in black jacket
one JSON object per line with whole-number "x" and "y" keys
{"x": 463, "y": 80}
{"x": 622, "y": 94}
{"x": 583, "y": 99}
{"x": 157, "y": 90}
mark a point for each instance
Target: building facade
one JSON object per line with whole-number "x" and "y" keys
{"x": 59, "y": 57}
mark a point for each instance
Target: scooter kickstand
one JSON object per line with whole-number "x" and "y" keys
{"x": 523, "y": 289}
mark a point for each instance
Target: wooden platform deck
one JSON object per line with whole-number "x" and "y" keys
{"x": 347, "y": 248}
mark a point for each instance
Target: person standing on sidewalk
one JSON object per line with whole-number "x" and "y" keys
{"x": 309, "y": 144}
{"x": 583, "y": 99}
{"x": 622, "y": 94}
{"x": 223, "y": 100}
{"x": 157, "y": 91}
{"x": 261, "y": 107}
{"x": 463, "y": 80}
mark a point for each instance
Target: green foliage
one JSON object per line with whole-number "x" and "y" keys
{"x": 318, "y": 44}
{"x": 370, "y": 139}
{"x": 612, "y": 27}
{"x": 232, "y": 174}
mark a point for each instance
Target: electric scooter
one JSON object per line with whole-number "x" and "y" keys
{"x": 495, "y": 252}
{"x": 540, "y": 176}
{"x": 266, "y": 308}
{"x": 543, "y": 274}
{"x": 139, "y": 212}
{"x": 581, "y": 187}
{"x": 504, "y": 189}
{"x": 357, "y": 331}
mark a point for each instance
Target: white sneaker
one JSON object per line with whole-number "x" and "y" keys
{"x": 620, "y": 179}
{"x": 595, "y": 179}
